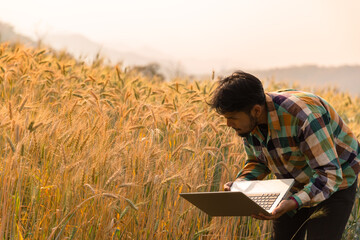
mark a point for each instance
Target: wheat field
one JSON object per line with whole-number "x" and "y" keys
{"x": 95, "y": 151}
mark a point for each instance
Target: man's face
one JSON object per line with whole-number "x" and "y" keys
{"x": 241, "y": 122}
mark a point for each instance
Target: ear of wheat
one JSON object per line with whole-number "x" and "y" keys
{"x": 316, "y": 214}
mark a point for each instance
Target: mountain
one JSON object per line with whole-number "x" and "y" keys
{"x": 86, "y": 49}
{"x": 7, "y": 33}
{"x": 345, "y": 78}
{"x": 82, "y": 47}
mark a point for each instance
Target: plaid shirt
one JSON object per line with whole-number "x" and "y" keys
{"x": 307, "y": 141}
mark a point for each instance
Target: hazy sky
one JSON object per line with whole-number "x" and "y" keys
{"x": 231, "y": 33}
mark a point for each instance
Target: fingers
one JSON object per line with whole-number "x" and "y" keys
{"x": 261, "y": 216}
{"x": 284, "y": 206}
{"x": 277, "y": 212}
{"x": 276, "y": 215}
{"x": 257, "y": 217}
{"x": 227, "y": 186}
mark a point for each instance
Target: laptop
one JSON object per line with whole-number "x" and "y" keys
{"x": 245, "y": 198}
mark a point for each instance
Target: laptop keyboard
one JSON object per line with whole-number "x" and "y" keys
{"x": 264, "y": 200}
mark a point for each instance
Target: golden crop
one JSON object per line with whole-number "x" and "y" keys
{"x": 100, "y": 152}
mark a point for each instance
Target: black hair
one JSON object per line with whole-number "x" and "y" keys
{"x": 238, "y": 92}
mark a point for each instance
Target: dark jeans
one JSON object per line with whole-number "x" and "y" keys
{"x": 330, "y": 226}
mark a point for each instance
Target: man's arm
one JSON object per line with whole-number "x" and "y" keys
{"x": 252, "y": 170}
{"x": 317, "y": 144}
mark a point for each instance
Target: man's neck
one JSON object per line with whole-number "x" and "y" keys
{"x": 263, "y": 119}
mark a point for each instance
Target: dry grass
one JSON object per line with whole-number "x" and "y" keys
{"x": 98, "y": 152}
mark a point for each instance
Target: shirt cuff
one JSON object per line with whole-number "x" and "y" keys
{"x": 302, "y": 198}
{"x": 292, "y": 198}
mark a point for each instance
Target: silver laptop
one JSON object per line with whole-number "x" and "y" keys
{"x": 244, "y": 199}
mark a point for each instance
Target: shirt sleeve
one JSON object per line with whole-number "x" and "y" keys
{"x": 253, "y": 168}
{"x": 317, "y": 144}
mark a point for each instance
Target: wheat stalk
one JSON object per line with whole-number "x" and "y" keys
{"x": 84, "y": 140}
{"x": 318, "y": 213}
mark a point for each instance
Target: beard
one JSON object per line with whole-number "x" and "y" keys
{"x": 252, "y": 126}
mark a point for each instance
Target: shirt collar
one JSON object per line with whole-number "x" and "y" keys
{"x": 273, "y": 119}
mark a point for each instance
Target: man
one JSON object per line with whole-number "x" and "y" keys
{"x": 297, "y": 135}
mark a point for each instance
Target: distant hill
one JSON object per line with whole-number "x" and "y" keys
{"x": 7, "y": 33}
{"x": 82, "y": 47}
{"x": 345, "y": 78}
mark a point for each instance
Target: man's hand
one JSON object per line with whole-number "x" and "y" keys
{"x": 227, "y": 186}
{"x": 284, "y": 206}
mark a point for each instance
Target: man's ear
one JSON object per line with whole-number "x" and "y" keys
{"x": 256, "y": 110}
